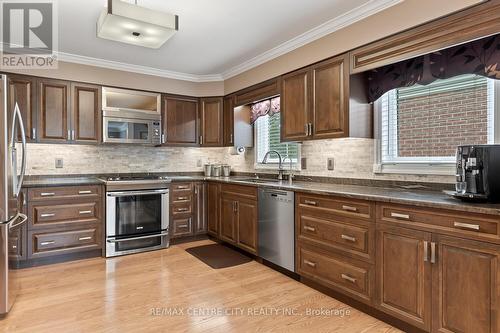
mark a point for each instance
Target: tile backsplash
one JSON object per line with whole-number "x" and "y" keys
{"x": 353, "y": 158}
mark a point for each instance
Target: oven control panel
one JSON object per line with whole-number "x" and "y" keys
{"x": 156, "y": 133}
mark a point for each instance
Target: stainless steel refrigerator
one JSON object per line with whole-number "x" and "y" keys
{"x": 11, "y": 219}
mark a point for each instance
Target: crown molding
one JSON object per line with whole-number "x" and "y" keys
{"x": 357, "y": 14}
{"x": 84, "y": 60}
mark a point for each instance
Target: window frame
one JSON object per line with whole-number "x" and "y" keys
{"x": 274, "y": 166}
{"x": 431, "y": 165}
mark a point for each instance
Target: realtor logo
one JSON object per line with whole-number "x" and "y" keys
{"x": 29, "y": 36}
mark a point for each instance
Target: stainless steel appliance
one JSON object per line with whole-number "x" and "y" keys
{"x": 277, "y": 227}
{"x": 137, "y": 214}
{"x": 11, "y": 219}
{"x": 477, "y": 173}
{"x": 131, "y": 116}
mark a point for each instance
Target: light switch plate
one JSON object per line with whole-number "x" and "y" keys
{"x": 198, "y": 163}
{"x": 59, "y": 163}
{"x": 303, "y": 163}
{"x": 330, "y": 164}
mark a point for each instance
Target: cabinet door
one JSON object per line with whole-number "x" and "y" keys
{"x": 86, "y": 113}
{"x": 213, "y": 202}
{"x": 227, "y": 220}
{"x": 331, "y": 98}
{"x": 53, "y": 110}
{"x": 22, "y": 90}
{"x": 180, "y": 121}
{"x": 211, "y": 122}
{"x": 404, "y": 275}
{"x": 247, "y": 224}
{"x": 200, "y": 208}
{"x": 295, "y": 105}
{"x": 228, "y": 121}
{"x": 466, "y": 286}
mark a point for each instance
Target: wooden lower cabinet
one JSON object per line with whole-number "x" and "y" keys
{"x": 213, "y": 208}
{"x": 247, "y": 215}
{"x": 228, "y": 219}
{"x": 187, "y": 209}
{"x": 404, "y": 274}
{"x": 465, "y": 286}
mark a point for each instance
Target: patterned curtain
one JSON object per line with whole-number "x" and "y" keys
{"x": 481, "y": 57}
{"x": 267, "y": 107}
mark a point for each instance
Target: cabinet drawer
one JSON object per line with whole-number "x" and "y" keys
{"x": 348, "y": 276}
{"x": 325, "y": 204}
{"x": 476, "y": 225}
{"x": 181, "y": 197}
{"x": 182, "y": 227}
{"x": 66, "y": 192}
{"x": 334, "y": 234}
{"x": 46, "y": 215}
{"x": 182, "y": 208}
{"x": 182, "y": 187}
{"x": 248, "y": 192}
{"x": 53, "y": 243}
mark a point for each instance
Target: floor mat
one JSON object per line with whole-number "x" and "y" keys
{"x": 218, "y": 256}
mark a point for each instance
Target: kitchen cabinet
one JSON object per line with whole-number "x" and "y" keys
{"x": 213, "y": 208}
{"x": 200, "y": 208}
{"x": 22, "y": 90}
{"x": 246, "y": 221}
{"x": 53, "y": 111}
{"x": 180, "y": 121}
{"x": 258, "y": 92}
{"x": 228, "y": 219}
{"x": 86, "y": 114}
{"x": 404, "y": 274}
{"x": 188, "y": 209}
{"x": 465, "y": 286}
{"x": 228, "y": 121}
{"x": 315, "y": 101}
{"x": 211, "y": 122}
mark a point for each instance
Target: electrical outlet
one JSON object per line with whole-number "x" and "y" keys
{"x": 59, "y": 163}
{"x": 303, "y": 163}
{"x": 330, "y": 164}
{"x": 198, "y": 163}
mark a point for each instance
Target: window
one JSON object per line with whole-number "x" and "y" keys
{"x": 419, "y": 127}
{"x": 267, "y": 137}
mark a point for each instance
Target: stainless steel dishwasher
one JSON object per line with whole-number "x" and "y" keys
{"x": 277, "y": 227}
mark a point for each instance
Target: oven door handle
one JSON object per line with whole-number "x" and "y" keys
{"x": 134, "y": 238}
{"x": 129, "y": 193}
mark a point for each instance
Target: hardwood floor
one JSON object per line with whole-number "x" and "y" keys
{"x": 121, "y": 294}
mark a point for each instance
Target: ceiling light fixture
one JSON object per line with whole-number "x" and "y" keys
{"x": 132, "y": 24}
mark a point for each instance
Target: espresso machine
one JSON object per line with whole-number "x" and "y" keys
{"x": 478, "y": 173}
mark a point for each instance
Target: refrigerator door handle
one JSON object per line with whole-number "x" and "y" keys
{"x": 23, "y": 218}
{"x": 18, "y": 182}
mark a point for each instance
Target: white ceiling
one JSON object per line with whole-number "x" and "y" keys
{"x": 216, "y": 39}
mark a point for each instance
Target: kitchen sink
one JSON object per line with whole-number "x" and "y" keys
{"x": 260, "y": 180}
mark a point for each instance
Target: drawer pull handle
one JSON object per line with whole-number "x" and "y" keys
{"x": 183, "y": 225}
{"x": 84, "y": 238}
{"x": 85, "y": 212}
{"x": 48, "y": 215}
{"x": 47, "y": 243}
{"x": 348, "y": 238}
{"x": 400, "y": 216}
{"x": 182, "y": 209}
{"x": 348, "y": 278}
{"x": 139, "y": 228}
{"x": 308, "y": 228}
{"x": 310, "y": 202}
{"x": 47, "y": 194}
{"x": 85, "y": 192}
{"x": 14, "y": 247}
{"x": 466, "y": 226}
{"x": 182, "y": 198}
{"x": 310, "y": 263}
{"x": 349, "y": 208}
{"x": 182, "y": 187}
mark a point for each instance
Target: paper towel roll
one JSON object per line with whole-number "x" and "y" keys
{"x": 237, "y": 150}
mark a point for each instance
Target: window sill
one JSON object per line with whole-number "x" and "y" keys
{"x": 275, "y": 167}
{"x": 439, "y": 169}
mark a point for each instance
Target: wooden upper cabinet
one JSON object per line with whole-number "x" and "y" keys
{"x": 53, "y": 110}
{"x": 258, "y": 92}
{"x": 22, "y": 90}
{"x": 331, "y": 98}
{"x": 465, "y": 286}
{"x": 404, "y": 275}
{"x": 211, "y": 122}
{"x": 295, "y": 105}
{"x": 86, "y": 113}
{"x": 180, "y": 121}
{"x": 228, "y": 121}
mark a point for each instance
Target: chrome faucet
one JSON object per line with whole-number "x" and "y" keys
{"x": 290, "y": 176}
{"x": 280, "y": 166}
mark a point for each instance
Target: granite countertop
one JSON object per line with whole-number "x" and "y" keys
{"x": 416, "y": 197}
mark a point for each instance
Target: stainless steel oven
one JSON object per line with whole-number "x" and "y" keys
{"x": 137, "y": 217}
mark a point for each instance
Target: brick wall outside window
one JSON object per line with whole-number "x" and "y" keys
{"x": 434, "y": 124}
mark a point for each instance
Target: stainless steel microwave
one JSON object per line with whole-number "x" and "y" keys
{"x": 132, "y": 130}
